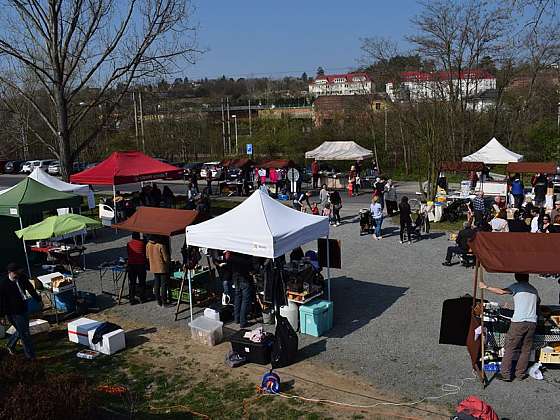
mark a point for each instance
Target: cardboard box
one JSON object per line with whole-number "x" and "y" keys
{"x": 36, "y": 326}
{"x": 111, "y": 343}
{"x": 78, "y": 330}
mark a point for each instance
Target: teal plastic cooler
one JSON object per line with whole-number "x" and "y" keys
{"x": 316, "y": 317}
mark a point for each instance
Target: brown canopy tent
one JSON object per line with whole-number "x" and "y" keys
{"x": 531, "y": 167}
{"x": 165, "y": 222}
{"x": 278, "y": 164}
{"x": 158, "y": 221}
{"x": 237, "y": 163}
{"x": 507, "y": 252}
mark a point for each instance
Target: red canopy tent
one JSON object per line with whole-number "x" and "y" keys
{"x": 277, "y": 164}
{"x": 125, "y": 168}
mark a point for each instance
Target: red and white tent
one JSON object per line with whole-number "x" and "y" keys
{"x": 125, "y": 168}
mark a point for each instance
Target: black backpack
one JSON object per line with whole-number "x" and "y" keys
{"x": 285, "y": 346}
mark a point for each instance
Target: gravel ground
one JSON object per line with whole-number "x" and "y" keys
{"x": 388, "y": 300}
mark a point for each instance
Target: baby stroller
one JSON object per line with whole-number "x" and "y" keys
{"x": 365, "y": 221}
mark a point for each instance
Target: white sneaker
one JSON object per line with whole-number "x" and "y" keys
{"x": 225, "y": 299}
{"x": 401, "y": 242}
{"x": 338, "y": 224}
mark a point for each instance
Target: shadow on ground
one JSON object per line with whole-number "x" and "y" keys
{"x": 352, "y": 313}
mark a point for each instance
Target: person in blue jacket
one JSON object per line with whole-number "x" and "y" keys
{"x": 517, "y": 190}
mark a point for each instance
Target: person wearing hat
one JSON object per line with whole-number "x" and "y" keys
{"x": 13, "y": 305}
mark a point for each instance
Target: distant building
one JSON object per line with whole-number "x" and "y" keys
{"x": 419, "y": 86}
{"x": 341, "y": 84}
{"x": 339, "y": 108}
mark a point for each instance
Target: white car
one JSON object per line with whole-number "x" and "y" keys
{"x": 30, "y": 165}
{"x": 214, "y": 167}
{"x": 54, "y": 168}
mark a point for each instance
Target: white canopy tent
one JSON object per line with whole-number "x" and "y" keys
{"x": 56, "y": 184}
{"x": 493, "y": 153}
{"x": 339, "y": 150}
{"x": 260, "y": 226}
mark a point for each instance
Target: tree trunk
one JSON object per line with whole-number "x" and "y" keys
{"x": 63, "y": 138}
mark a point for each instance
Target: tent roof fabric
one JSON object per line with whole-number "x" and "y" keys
{"x": 30, "y": 196}
{"x": 260, "y": 226}
{"x": 125, "y": 168}
{"x": 56, "y": 184}
{"x": 237, "y": 163}
{"x": 493, "y": 153}
{"x": 461, "y": 166}
{"x": 339, "y": 150}
{"x": 277, "y": 164}
{"x": 514, "y": 252}
{"x": 158, "y": 221}
{"x": 531, "y": 167}
{"x": 56, "y": 226}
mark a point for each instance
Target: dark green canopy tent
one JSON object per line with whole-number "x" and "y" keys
{"x": 27, "y": 201}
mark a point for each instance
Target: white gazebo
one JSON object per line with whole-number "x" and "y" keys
{"x": 339, "y": 150}
{"x": 56, "y": 184}
{"x": 260, "y": 226}
{"x": 493, "y": 153}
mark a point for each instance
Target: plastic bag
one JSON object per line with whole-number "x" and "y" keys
{"x": 535, "y": 372}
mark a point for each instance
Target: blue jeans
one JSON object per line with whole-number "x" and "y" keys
{"x": 21, "y": 324}
{"x": 160, "y": 287}
{"x": 378, "y": 222}
{"x": 243, "y": 297}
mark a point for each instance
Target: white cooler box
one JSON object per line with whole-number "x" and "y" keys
{"x": 111, "y": 343}
{"x": 36, "y": 326}
{"x": 79, "y": 328}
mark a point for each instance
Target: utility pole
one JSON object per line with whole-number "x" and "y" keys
{"x": 250, "y": 125}
{"x": 228, "y": 126}
{"x": 142, "y": 123}
{"x": 234, "y": 116}
{"x": 385, "y": 108}
{"x": 223, "y": 128}
{"x": 135, "y": 121}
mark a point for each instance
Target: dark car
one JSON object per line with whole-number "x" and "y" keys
{"x": 3, "y": 165}
{"x": 13, "y": 166}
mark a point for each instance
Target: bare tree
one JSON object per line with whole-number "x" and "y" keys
{"x": 86, "y": 55}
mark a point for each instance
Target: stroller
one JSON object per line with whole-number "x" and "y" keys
{"x": 365, "y": 221}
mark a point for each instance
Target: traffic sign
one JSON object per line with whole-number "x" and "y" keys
{"x": 249, "y": 147}
{"x": 293, "y": 174}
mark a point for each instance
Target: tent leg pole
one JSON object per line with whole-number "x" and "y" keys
{"x": 328, "y": 269}
{"x": 482, "y": 337}
{"x": 189, "y": 276}
{"x": 115, "y": 204}
{"x": 25, "y": 250}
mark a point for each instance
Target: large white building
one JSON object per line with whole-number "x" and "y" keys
{"x": 341, "y": 84}
{"x": 418, "y": 86}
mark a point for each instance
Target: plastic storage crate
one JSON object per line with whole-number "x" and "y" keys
{"x": 254, "y": 352}
{"x": 316, "y": 318}
{"x": 206, "y": 331}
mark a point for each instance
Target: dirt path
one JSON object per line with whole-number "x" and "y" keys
{"x": 172, "y": 352}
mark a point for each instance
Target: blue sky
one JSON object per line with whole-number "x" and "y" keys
{"x": 276, "y": 38}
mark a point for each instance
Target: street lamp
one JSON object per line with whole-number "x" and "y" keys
{"x": 235, "y": 121}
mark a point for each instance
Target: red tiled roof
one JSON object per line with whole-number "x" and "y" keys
{"x": 420, "y": 76}
{"x": 348, "y": 77}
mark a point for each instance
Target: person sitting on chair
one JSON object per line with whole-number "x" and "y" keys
{"x": 462, "y": 246}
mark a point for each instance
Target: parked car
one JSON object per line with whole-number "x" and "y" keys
{"x": 29, "y": 166}
{"x": 13, "y": 166}
{"x": 54, "y": 168}
{"x": 215, "y": 169}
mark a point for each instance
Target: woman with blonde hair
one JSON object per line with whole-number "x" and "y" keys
{"x": 377, "y": 216}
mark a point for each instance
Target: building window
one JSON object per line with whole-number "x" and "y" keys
{"x": 377, "y": 106}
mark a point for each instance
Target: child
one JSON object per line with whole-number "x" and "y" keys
{"x": 314, "y": 209}
{"x": 327, "y": 212}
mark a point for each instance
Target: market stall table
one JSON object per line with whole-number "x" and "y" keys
{"x": 52, "y": 292}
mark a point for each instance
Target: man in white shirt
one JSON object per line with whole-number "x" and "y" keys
{"x": 523, "y": 324}
{"x": 535, "y": 221}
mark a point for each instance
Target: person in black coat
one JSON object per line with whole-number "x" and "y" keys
{"x": 13, "y": 305}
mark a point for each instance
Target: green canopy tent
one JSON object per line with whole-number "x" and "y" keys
{"x": 27, "y": 201}
{"x": 62, "y": 226}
